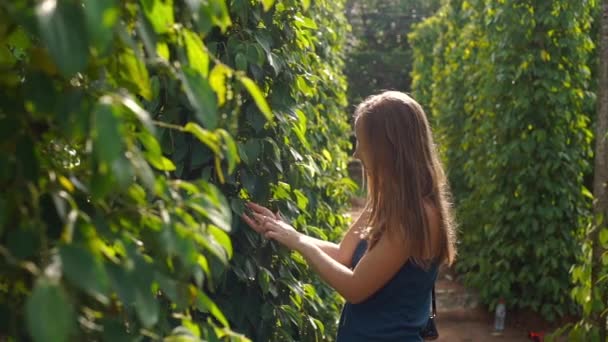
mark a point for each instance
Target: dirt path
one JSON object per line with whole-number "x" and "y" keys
{"x": 460, "y": 318}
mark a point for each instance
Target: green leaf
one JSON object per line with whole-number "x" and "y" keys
{"x": 114, "y": 331}
{"x": 604, "y": 237}
{"x": 153, "y": 152}
{"x": 159, "y": 13}
{"x": 222, "y": 238}
{"x": 257, "y": 95}
{"x": 61, "y": 25}
{"x": 197, "y": 56}
{"x": 215, "y": 12}
{"x": 146, "y": 307}
{"x": 160, "y": 163}
{"x": 149, "y": 142}
{"x": 134, "y": 73}
{"x": 249, "y": 182}
{"x": 282, "y": 191}
{"x": 305, "y": 21}
{"x": 218, "y": 209}
{"x": 162, "y": 49}
{"x": 301, "y": 199}
{"x": 28, "y": 157}
{"x": 205, "y": 304}
{"x": 101, "y": 17}
{"x": 231, "y": 150}
{"x": 143, "y": 171}
{"x": 7, "y": 59}
{"x": 141, "y": 275}
{"x": 267, "y": 4}
{"x": 168, "y": 286}
{"x": 50, "y": 317}
{"x": 587, "y": 193}
{"x": 250, "y": 151}
{"x": 201, "y": 97}
{"x": 204, "y": 136}
{"x": 217, "y": 79}
{"x": 240, "y": 61}
{"x": 85, "y": 270}
{"x": 107, "y": 140}
{"x": 305, "y": 4}
{"x": 122, "y": 283}
{"x": 140, "y": 113}
{"x": 192, "y": 327}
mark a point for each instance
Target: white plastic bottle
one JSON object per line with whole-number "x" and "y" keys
{"x": 499, "y": 316}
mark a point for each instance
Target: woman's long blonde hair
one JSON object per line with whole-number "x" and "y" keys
{"x": 403, "y": 171}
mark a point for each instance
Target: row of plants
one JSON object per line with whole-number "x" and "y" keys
{"x": 132, "y": 132}
{"x": 510, "y": 87}
{"x": 379, "y": 56}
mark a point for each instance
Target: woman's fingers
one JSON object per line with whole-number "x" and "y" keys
{"x": 262, "y": 219}
{"x": 253, "y": 223}
{"x": 266, "y": 225}
{"x": 259, "y": 209}
{"x": 269, "y": 234}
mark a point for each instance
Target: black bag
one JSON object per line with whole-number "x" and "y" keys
{"x": 429, "y": 332}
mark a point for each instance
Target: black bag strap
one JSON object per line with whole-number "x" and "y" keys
{"x": 434, "y": 305}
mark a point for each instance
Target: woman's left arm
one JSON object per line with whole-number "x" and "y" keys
{"x": 372, "y": 272}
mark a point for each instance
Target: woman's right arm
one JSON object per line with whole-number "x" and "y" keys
{"x": 342, "y": 252}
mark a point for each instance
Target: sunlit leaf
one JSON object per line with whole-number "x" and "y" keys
{"x": 133, "y": 71}
{"x": 301, "y": 199}
{"x": 205, "y": 304}
{"x": 159, "y": 13}
{"x": 217, "y": 79}
{"x": 217, "y": 208}
{"x": 257, "y": 95}
{"x": 162, "y": 49}
{"x": 197, "y": 56}
{"x": 267, "y": 4}
{"x": 206, "y": 137}
{"x": 604, "y": 237}
{"x": 140, "y": 113}
{"x": 222, "y": 238}
{"x": 231, "y": 153}
{"x": 215, "y": 12}
{"x": 305, "y": 4}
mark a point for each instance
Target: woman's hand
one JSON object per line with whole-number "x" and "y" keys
{"x": 281, "y": 232}
{"x": 257, "y": 209}
{"x": 271, "y": 226}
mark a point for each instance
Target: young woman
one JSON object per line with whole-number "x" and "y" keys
{"x": 386, "y": 264}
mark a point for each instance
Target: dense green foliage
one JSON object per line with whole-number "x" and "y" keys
{"x": 378, "y": 55}
{"x": 131, "y": 132}
{"x": 508, "y": 88}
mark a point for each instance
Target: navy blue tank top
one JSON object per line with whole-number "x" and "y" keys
{"x": 397, "y": 312}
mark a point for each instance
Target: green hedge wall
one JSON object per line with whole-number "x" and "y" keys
{"x": 509, "y": 89}
{"x": 131, "y": 132}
